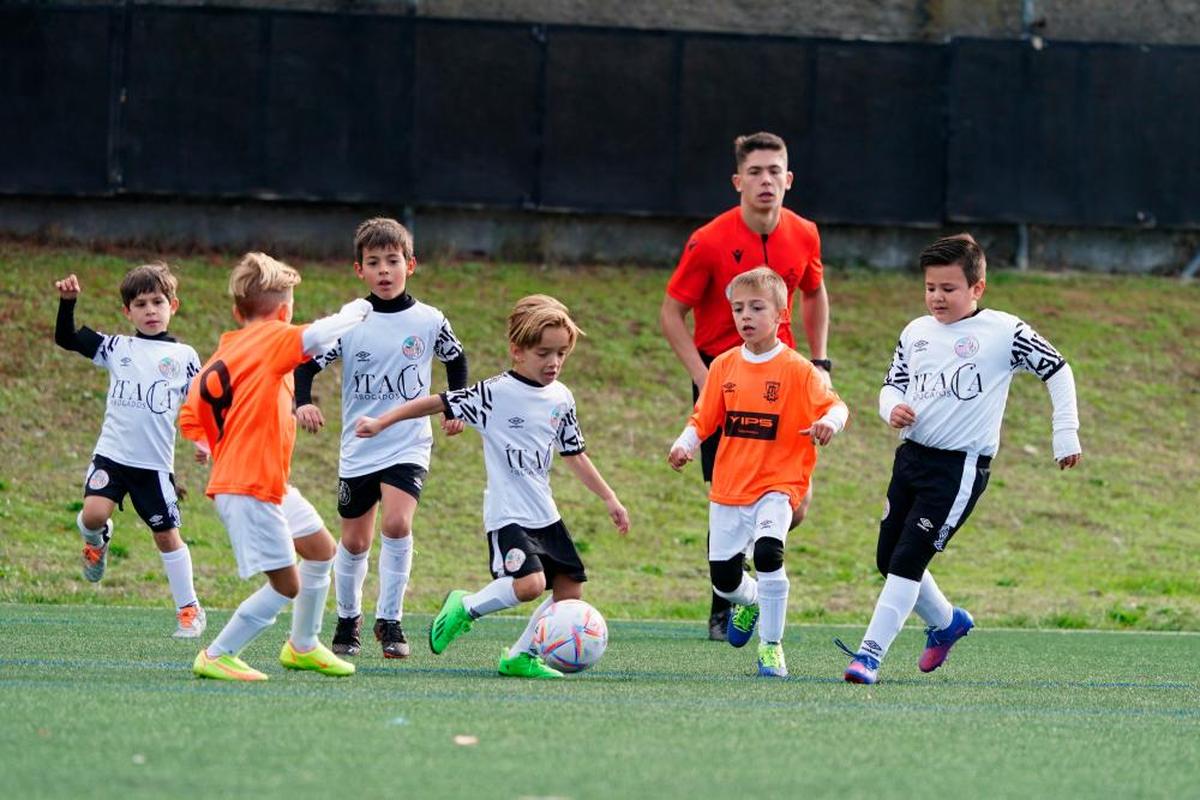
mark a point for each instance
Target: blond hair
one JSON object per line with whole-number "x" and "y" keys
{"x": 761, "y": 279}
{"x": 532, "y": 315}
{"x": 259, "y": 284}
{"x": 381, "y": 232}
{"x": 152, "y": 278}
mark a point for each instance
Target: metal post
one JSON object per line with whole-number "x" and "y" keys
{"x": 1022, "y": 257}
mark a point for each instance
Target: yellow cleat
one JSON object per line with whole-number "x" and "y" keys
{"x": 320, "y": 659}
{"x": 224, "y": 668}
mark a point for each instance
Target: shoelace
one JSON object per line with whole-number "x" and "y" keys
{"x": 744, "y": 618}
{"x": 187, "y": 615}
{"x": 392, "y": 631}
{"x": 842, "y": 646}
{"x": 771, "y": 657}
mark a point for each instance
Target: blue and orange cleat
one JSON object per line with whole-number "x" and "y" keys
{"x": 939, "y": 642}
{"x": 863, "y": 669}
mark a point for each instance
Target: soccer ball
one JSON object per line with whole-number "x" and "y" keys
{"x": 571, "y": 636}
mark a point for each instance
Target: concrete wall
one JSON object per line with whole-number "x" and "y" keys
{"x": 325, "y": 231}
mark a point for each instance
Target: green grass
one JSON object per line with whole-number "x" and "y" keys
{"x": 1108, "y": 545}
{"x": 99, "y": 702}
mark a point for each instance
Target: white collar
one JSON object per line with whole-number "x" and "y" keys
{"x": 762, "y": 358}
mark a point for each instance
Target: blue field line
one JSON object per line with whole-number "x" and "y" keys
{"x": 620, "y": 676}
{"x": 327, "y": 689}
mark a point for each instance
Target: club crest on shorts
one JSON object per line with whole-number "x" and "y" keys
{"x": 98, "y": 479}
{"x": 943, "y": 536}
{"x": 514, "y": 559}
{"x": 343, "y": 493}
{"x": 413, "y": 347}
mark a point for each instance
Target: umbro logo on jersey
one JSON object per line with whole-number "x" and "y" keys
{"x": 772, "y": 393}
{"x": 126, "y": 361}
{"x": 362, "y": 355}
{"x": 920, "y": 346}
{"x": 728, "y": 387}
{"x": 515, "y": 422}
{"x": 737, "y": 256}
{"x": 766, "y": 524}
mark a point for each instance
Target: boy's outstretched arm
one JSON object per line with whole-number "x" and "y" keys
{"x": 366, "y": 427}
{"x": 586, "y": 471}
{"x": 1065, "y": 417}
{"x": 308, "y": 413}
{"x": 319, "y": 335}
{"x": 84, "y": 341}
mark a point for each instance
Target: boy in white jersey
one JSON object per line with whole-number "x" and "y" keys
{"x": 524, "y": 416}
{"x": 388, "y": 359}
{"x": 945, "y": 391}
{"x": 773, "y": 408}
{"x": 149, "y": 374}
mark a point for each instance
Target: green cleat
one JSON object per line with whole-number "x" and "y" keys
{"x": 450, "y": 623}
{"x": 526, "y": 665}
{"x": 224, "y": 668}
{"x": 771, "y": 663}
{"x": 320, "y": 659}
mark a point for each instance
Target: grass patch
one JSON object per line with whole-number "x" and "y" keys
{"x": 1043, "y": 547}
{"x": 664, "y": 714}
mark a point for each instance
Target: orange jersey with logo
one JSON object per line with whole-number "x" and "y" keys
{"x": 760, "y": 410}
{"x": 241, "y": 406}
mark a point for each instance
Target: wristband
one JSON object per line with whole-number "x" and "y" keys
{"x": 823, "y": 363}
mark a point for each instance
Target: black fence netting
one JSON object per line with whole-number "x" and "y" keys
{"x": 356, "y": 107}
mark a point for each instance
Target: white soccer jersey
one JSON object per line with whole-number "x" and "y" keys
{"x": 388, "y": 360}
{"x": 148, "y": 382}
{"x": 522, "y": 423}
{"x": 956, "y": 377}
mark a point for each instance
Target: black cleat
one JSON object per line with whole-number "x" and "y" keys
{"x": 346, "y": 641}
{"x": 389, "y": 634}
{"x": 718, "y": 625}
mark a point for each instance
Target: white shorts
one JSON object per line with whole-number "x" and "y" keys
{"x": 732, "y": 530}
{"x": 261, "y": 533}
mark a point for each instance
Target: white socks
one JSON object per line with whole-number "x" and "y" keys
{"x": 310, "y": 604}
{"x": 746, "y": 594}
{"x": 395, "y": 564}
{"x": 256, "y": 613}
{"x": 92, "y": 537}
{"x": 895, "y": 603}
{"x": 772, "y": 604}
{"x": 524, "y": 644}
{"x": 496, "y": 596}
{"x": 349, "y": 571}
{"x": 932, "y": 606}
{"x": 178, "y": 566}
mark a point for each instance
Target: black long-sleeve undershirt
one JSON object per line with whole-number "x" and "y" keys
{"x": 84, "y": 341}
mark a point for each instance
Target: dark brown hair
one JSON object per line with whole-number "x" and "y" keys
{"x": 960, "y": 249}
{"x": 379, "y": 232}
{"x": 745, "y": 145}
{"x": 153, "y": 278}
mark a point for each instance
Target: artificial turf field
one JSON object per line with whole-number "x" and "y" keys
{"x": 100, "y": 702}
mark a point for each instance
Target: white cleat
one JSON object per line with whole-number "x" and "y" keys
{"x": 192, "y": 622}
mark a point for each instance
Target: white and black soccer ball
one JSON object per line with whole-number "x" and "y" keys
{"x": 571, "y": 635}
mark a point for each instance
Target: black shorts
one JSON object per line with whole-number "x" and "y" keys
{"x": 357, "y": 495}
{"x": 931, "y": 495}
{"x": 152, "y": 492}
{"x": 516, "y": 551}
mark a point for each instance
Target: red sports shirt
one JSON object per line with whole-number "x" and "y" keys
{"x": 725, "y": 248}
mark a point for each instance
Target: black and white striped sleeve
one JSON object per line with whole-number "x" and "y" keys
{"x": 473, "y": 405}
{"x": 1032, "y": 353}
{"x": 895, "y": 382}
{"x": 570, "y": 435}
